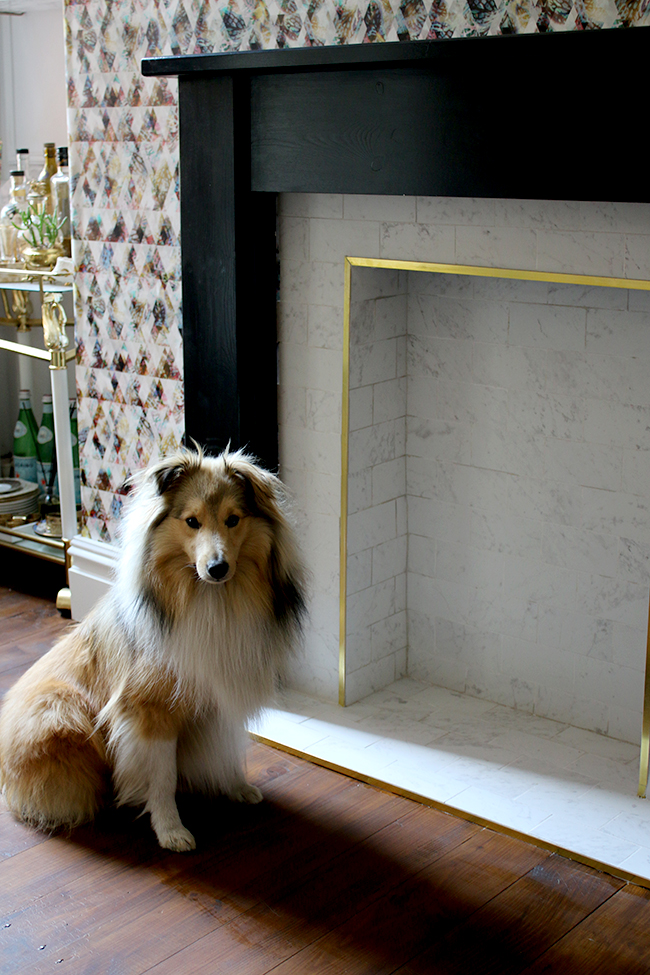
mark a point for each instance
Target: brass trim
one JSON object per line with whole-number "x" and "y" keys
{"x": 28, "y": 537}
{"x": 58, "y": 359}
{"x": 608, "y": 868}
{"x": 556, "y": 277}
{"x": 24, "y": 350}
{"x": 54, "y": 558}
{"x": 644, "y": 759}
{"x": 599, "y": 281}
{"x": 345, "y": 464}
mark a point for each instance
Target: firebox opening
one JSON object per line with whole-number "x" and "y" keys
{"x": 497, "y": 531}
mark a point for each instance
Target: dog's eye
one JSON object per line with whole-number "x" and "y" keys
{"x": 192, "y": 522}
{"x": 232, "y": 520}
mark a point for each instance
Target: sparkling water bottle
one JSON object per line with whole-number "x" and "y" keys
{"x": 25, "y": 440}
{"x": 46, "y": 449}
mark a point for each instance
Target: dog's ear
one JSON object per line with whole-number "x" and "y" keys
{"x": 262, "y": 490}
{"x": 167, "y": 474}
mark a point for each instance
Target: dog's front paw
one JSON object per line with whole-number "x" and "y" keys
{"x": 247, "y": 793}
{"x": 179, "y": 839}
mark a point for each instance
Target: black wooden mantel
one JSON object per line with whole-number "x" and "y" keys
{"x": 556, "y": 116}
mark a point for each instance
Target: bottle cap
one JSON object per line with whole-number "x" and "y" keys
{"x": 62, "y": 155}
{"x": 17, "y": 172}
{"x": 22, "y": 150}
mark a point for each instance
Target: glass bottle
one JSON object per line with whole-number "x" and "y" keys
{"x": 39, "y": 196}
{"x": 25, "y": 439}
{"x": 46, "y": 174}
{"x": 11, "y": 239}
{"x": 45, "y": 441}
{"x": 60, "y": 184}
{"x": 74, "y": 436}
{"x": 49, "y": 167}
{"x": 22, "y": 162}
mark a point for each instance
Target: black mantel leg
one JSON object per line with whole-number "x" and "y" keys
{"x": 229, "y": 274}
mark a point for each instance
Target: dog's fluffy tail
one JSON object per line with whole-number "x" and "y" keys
{"x": 52, "y": 762}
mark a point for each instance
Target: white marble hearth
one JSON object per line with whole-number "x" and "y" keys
{"x": 571, "y": 789}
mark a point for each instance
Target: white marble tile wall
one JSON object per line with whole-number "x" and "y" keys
{"x": 529, "y": 549}
{"x": 310, "y": 334}
{"x": 542, "y": 520}
{"x": 376, "y": 633}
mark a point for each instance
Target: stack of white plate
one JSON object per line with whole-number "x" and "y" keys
{"x": 18, "y": 497}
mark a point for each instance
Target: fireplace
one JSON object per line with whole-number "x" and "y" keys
{"x": 389, "y": 133}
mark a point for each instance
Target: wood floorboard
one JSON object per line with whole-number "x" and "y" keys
{"x": 328, "y": 875}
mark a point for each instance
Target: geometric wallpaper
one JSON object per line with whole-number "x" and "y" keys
{"x": 125, "y": 186}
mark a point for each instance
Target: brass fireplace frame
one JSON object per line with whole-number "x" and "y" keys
{"x": 550, "y": 277}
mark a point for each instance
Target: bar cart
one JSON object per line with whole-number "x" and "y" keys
{"x": 16, "y": 285}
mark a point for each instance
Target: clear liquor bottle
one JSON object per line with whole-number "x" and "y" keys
{"x": 60, "y": 186}
{"x": 11, "y": 239}
{"x": 22, "y": 163}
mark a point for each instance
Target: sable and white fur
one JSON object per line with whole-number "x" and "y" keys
{"x": 153, "y": 689}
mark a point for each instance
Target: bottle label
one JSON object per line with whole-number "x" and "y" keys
{"x": 45, "y": 435}
{"x": 19, "y": 430}
{"x": 73, "y": 439}
{"x": 25, "y": 468}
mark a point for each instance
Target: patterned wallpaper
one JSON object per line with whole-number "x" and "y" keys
{"x": 125, "y": 178}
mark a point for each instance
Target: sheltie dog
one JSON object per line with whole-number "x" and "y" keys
{"x": 153, "y": 689}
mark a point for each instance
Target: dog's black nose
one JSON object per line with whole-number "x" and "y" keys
{"x": 218, "y": 569}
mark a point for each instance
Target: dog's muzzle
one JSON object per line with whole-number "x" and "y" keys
{"x": 218, "y": 569}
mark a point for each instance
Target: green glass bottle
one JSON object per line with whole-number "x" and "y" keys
{"x": 74, "y": 435}
{"x": 46, "y": 448}
{"x": 25, "y": 433}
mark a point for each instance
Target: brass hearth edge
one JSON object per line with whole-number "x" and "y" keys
{"x": 608, "y": 868}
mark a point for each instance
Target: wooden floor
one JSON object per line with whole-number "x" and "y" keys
{"x": 327, "y": 875}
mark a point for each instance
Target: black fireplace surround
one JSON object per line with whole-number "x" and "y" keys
{"x": 560, "y": 116}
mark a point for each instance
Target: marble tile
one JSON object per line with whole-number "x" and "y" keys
{"x": 417, "y": 242}
{"x": 581, "y": 253}
{"x": 581, "y": 550}
{"x": 400, "y": 209}
{"x": 586, "y": 741}
{"x": 592, "y": 843}
{"x": 496, "y": 246}
{"x": 315, "y": 205}
{"x": 456, "y": 210}
{"x": 375, "y": 362}
{"x": 329, "y": 239}
{"x": 548, "y": 326}
{"x": 486, "y": 805}
{"x": 324, "y": 326}
{"x": 389, "y": 480}
{"x": 591, "y": 465}
{"x": 631, "y": 826}
{"x": 450, "y": 318}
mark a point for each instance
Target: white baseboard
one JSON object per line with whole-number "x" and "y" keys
{"x": 90, "y": 574}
